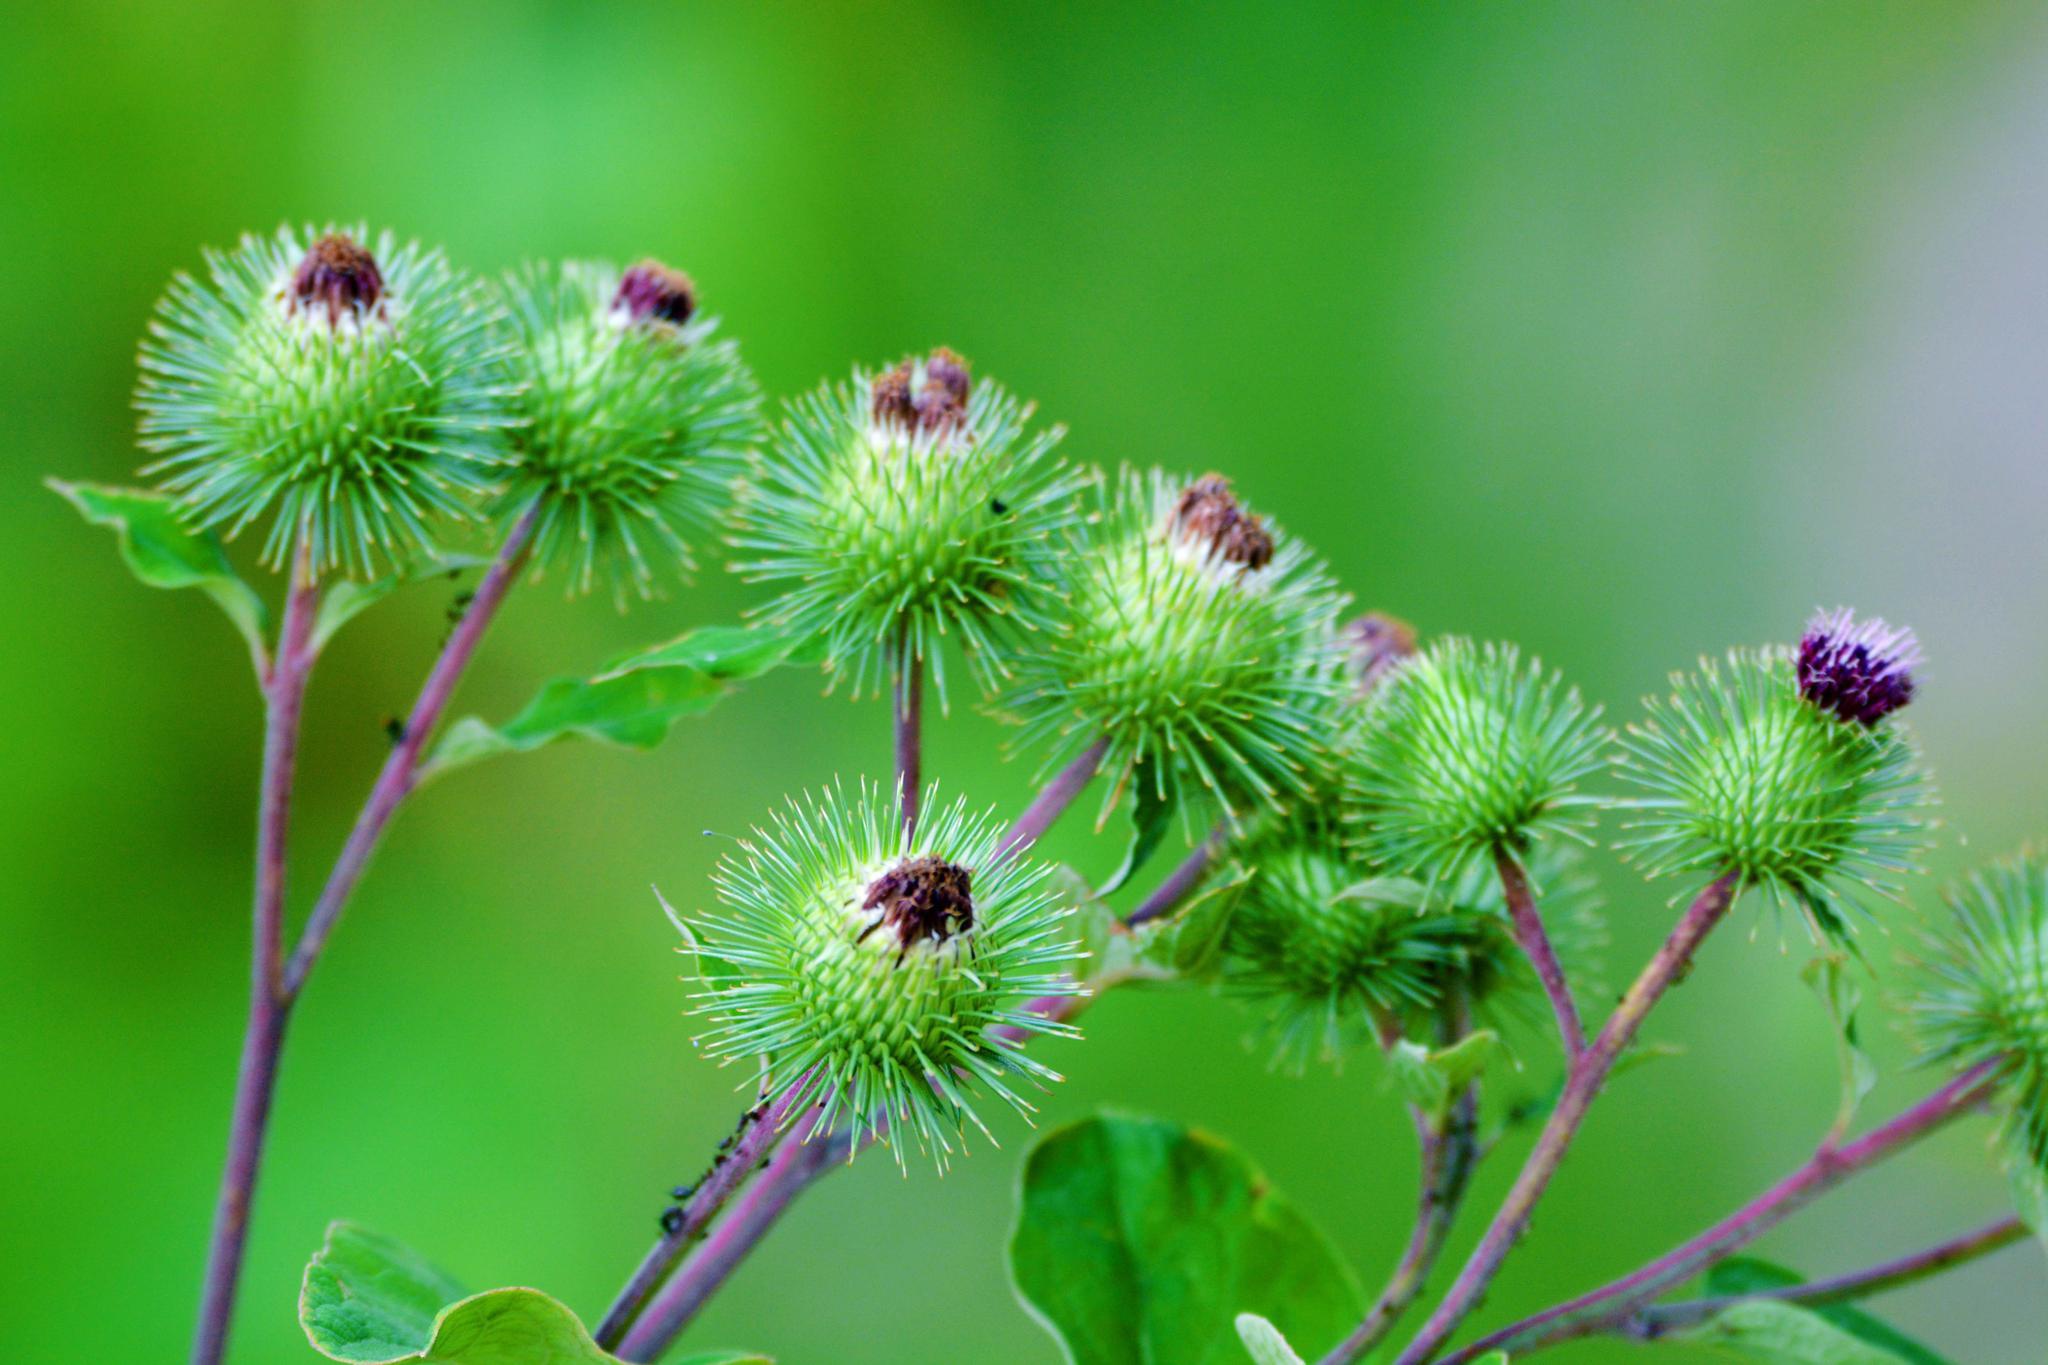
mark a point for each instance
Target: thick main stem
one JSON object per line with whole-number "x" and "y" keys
{"x": 401, "y": 769}
{"x": 1052, "y": 803}
{"x": 1535, "y": 945}
{"x": 1588, "y": 1073}
{"x": 284, "y": 694}
{"x": 759, "y": 1130}
{"x": 907, "y": 712}
{"x": 1650, "y": 1324}
{"x": 1829, "y": 1166}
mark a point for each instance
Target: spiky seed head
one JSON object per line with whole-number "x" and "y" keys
{"x": 356, "y": 392}
{"x": 880, "y": 972}
{"x": 910, "y": 506}
{"x": 634, "y": 418}
{"x": 1986, "y": 992}
{"x": 1745, "y": 775}
{"x": 1322, "y": 950}
{"x": 1196, "y": 639}
{"x": 1375, "y": 644}
{"x": 1860, "y": 671}
{"x": 1465, "y": 749}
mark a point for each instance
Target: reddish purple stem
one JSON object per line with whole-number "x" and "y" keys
{"x": 1829, "y": 1167}
{"x": 1535, "y": 945}
{"x": 907, "y": 711}
{"x": 1052, "y": 803}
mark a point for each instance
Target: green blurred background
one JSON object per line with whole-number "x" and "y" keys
{"x": 1628, "y": 332}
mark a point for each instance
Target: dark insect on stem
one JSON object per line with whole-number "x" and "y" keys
{"x": 999, "y": 507}
{"x": 394, "y": 730}
{"x": 671, "y": 1220}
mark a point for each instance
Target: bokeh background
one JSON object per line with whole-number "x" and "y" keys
{"x": 1627, "y": 332}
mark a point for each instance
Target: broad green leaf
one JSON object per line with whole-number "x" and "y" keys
{"x": 368, "y": 1300}
{"x": 1746, "y": 1275}
{"x": 1263, "y": 1340}
{"x": 165, "y": 553}
{"x": 1153, "y": 798}
{"x": 1140, "y": 1241}
{"x": 344, "y": 601}
{"x": 1190, "y": 940}
{"x": 633, "y": 702}
{"x": 1432, "y": 1078}
{"x": 1771, "y": 1333}
{"x": 1830, "y": 979}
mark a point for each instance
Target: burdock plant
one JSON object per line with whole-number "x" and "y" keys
{"x": 1395, "y": 848}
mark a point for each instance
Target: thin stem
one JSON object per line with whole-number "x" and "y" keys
{"x": 795, "y": 1164}
{"x": 284, "y": 694}
{"x": 1052, "y": 803}
{"x": 401, "y": 769}
{"x": 1449, "y": 1154}
{"x": 907, "y": 711}
{"x": 1180, "y": 882}
{"x": 1829, "y": 1166}
{"x": 1649, "y": 1324}
{"x": 1589, "y": 1071}
{"x": 759, "y": 1130}
{"x": 1535, "y": 945}
{"x": 795, "y": 1167}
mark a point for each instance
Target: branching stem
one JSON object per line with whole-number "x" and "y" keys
{"x": 1588, "y": 1073}
{"x": 1606, "y": 1308}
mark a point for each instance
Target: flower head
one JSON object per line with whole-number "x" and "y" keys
{"x": 1745, "y": 776}
{"x": 1987, "y": 992}
{"x": 1196, "y": 639}
{"x": 913, "y": 505}
{"x": 352, "y": 393}
{"x": 1858, "y": 670}
{"x": 883, "y": 974}
{"x": 634, "y": 418}
{"x": 1465, "y": 749}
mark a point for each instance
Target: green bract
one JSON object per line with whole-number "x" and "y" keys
{"x": 1466, "y": 749}
{"x": 883, "y": 975}
{"x": 1196, "y": 641}
{"x": 634, "y": 419}
{"x": 891, "y": 522}
{"x": 1748, "y": 777}
{"x": 356, "y": 394}
{"x": 1987, "y": 996}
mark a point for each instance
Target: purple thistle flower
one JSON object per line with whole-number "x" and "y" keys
{"x": 1859, "y": 670}
{"x": 653, "y": 290}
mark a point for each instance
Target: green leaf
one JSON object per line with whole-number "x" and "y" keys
{"x": 165, "y": 553}
{"x": 345, "y": 600}
{"x": 1747, "y": 1275}
{"x": 633, "y": 703}
{"x": 1190, "y": 941}
{"x": 369, "y": 1300}
{"x": 1772, "y": 1333}
{"x": 1263, "y": 1340}
{"x": 1431, "y": 1079}
{"x": 1140, "y": 1241}
{"x": 1153, "y": 798}
{"x": 1829, "y": 977}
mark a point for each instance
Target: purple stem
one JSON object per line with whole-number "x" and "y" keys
{"x": 402, "y": 767}
{"x": 907, "y": 710}
{"x": 1051, "y": 803}
{"x": 760, "y": 1129}
{"x": 795, "y": 1164}
{"x": 1181, "y": 881}
{"x": 1535, "y": 945}
{"x": 1650, "y": 1324}
{"x": 1589, "y": 1071}
{"x": 284, "y": 694}
{"x": 1830, "y": 1166}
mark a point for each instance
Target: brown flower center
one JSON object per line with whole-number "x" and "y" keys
{"x": 921, "y": 898}
{"x": 338, "y": 275}
{"x": 931, "y": 396}
{"x": 1209, "y": 514}
{"x": 653, "y": 290}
